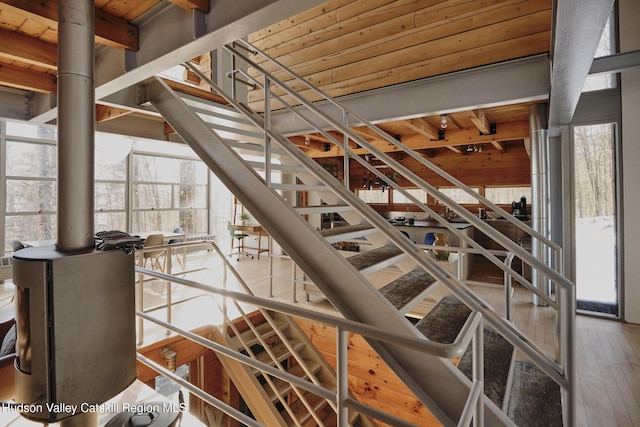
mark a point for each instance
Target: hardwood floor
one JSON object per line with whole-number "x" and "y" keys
{"x": 607, "y": 351}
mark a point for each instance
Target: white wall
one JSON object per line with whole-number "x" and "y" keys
{"x": 630, "y": 40}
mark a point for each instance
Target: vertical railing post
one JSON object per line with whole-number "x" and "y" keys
{"x": 139, "y": 298}
{"x": 342, "y": 375}
{"x": 567, "y": 347}
{"x": 508, "y": 285}
{"x": 167, "y": 254}
{"x": 267, "y": 130}
{"x": 345, "y": 168}
{"x": 478, "y": 372}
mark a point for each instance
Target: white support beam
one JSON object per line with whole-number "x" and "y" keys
{"x": 578, "y": 27}
{"x": 167, "y": 39}
{"x": 521, "y": 80}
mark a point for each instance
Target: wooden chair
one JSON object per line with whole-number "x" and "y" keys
{"x": 154, "y": 257}
{"x": 173, "y": 241}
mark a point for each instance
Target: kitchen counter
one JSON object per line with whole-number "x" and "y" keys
{"x": 419, "y": 229}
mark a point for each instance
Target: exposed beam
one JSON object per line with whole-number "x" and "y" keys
{"x": 200, "y": 5}
{"x": 615, "y": 63}
{"x": 24, "y": 78}
{"x": 16, "y": 46}
{"x": 578, "y": 26}
{"x": 110, "y": 30}
{"x": 479, "y": 119}
{"x": 510, "y": 131}
{"x": 227, "y": 21}
{"x": 498, "y": 145}
{"x": 521, "y": 80}
{"x": 105, "y": 113}
{"x": 423, "y": 127}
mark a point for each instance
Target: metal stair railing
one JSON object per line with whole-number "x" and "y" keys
{"x": 376, "y": 220}
{"x": 472, "y": 331}
{"x": 562, "y": 369}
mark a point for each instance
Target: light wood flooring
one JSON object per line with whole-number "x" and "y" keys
{"x": 607, "y": 353}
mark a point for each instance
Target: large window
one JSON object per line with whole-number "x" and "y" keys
{"x": 506, "y": 195}
{"x": 30, "y": 186}
{"x": 169, "y": 193}
{"x": 418, "y": 193}
{"x": 460, "y": 196}
{"x": 161, "y": 186}
{"x": 596, "y": 243}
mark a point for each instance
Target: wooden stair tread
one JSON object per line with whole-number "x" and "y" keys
{"x": 264, "y": 329}
{"x": 375, "y": 256}
{"x": 302, "y": 413}
{"x": 444, "y": 321}
{"x": 280, "y": 350}
{"x": 498, "y": 359}
{"x": 284, "y": 387}
{"x": 535, "y": 398}
{"x": 402, "y": 291}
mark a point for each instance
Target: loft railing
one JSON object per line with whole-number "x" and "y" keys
{"x": 471, "y": 332}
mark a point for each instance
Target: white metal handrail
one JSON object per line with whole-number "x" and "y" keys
{"x": 472, "y": 330}
{"x": 565, "y": 296}
{"x": 515, "y": 337}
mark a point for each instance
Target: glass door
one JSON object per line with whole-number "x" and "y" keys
{"x": 596, "y": 243}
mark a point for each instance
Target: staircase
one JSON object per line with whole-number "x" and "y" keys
{"x": 250, "y": 157}
{"x": 276, "y": 340}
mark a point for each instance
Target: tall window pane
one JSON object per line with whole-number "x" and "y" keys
{"x": 595, "y": 219}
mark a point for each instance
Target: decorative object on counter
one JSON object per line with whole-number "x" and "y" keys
{"x": 442, "y": 239}
{"x": 243, "y": 217}
{"x": 482, "y": 213}
{"x": 519, "y": 209}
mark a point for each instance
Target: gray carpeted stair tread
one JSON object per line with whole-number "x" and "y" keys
{"x": 374, "y": 256}
{"x": 405, "y": 289}
{"x": 444, "y": 321}
{"x": 327, "y": 232}
{"x": 498, "y": 355}
{"x": 535, "y": 398}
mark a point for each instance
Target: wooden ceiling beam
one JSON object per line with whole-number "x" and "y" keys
{"x": 479, "y": 119}
{"x": 199, "y": 5}
{"x": 27, "y": 49}
{"x": 109, "y": 29}
{"x": 24, "y": 78}
{"x": 423, "y": 127}
{"x": 498, "y": 145}
{"x": 508, "y": 131}
{"x": 105, "y": 113}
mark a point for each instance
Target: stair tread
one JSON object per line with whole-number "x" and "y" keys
{"x": 318, "y": 404}
{"x": 374, "y": 256}
{"x": 407, "y": 288}
{"x": 535, "y": 398}
{"x": 498, "y": 356}
{"x": 264, "y": 329}
{"x": 281, "y": 352}
{"x": 284, "y": 387}
{"x": 445, "y": 320}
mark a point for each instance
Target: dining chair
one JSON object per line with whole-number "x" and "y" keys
{"x": 179, "y": 258}
{"x": 154, "y": 257}
{"x": 17, "y": 245}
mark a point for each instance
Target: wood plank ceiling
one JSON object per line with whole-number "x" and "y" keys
{"x": 350, "y": 46}
{"x": 342, "y": 46}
